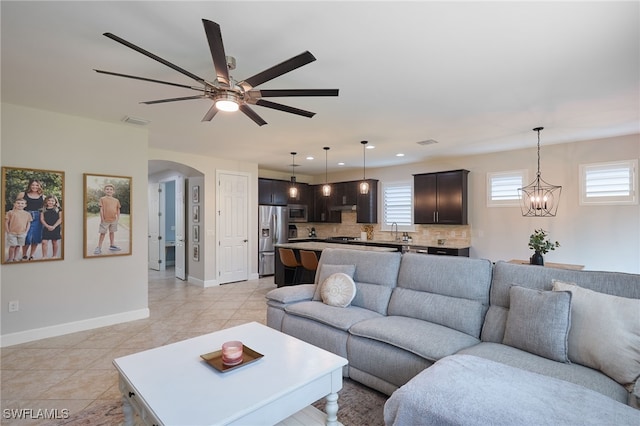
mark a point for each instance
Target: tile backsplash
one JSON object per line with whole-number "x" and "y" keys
{"x": 428, "y": 235}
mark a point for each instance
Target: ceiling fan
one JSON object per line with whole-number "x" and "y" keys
{"x": 226, "y": 93}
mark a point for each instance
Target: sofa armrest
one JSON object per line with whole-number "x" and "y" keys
{"x": 292, "y": 294}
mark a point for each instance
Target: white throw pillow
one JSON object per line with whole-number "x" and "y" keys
{"x": 325, "y": 271}
{"x": 338, "y": 290}
{"x": 605, "y": 332}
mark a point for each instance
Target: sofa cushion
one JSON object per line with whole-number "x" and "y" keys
{"x": 375, "y": 276}
{"x": 459, "y": 314}
{"x": 428, "y": 340}
{"x": 466, "y": 390}
{"x": 574, "y": 373}
{"x": 336, "y": 317}
{"x": 291, "y": 294}
{"x": 325, "y": 271}
{"x": 539, "y": 321}
{"x": 338, "y": 290}
{"x": 605, "y": 332}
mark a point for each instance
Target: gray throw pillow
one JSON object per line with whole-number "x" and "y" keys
{"x": 538, "y": 322}
{"x": 325, "y": 270}
{"x": 605, "y": 333}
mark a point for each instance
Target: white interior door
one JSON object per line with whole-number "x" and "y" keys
{"x": 232, "y": 227}
{"x": 180, "y": 270}
{"x": 154, "y": 226}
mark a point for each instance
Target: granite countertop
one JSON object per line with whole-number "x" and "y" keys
{"x": 319, "y": 246}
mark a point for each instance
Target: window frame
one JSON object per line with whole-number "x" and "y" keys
{"x": 512, "y": 202}
{"x": 631, "y": 199}
{"x": 388, "y": 227}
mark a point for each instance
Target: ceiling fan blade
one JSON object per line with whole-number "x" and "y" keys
{"x": 252, "y": 115}
{"x": 285, "y": 108}
{"x": 184, "y": 98}
{"x": 149, "y": 79}
{"x": 211, "y": 113}
{"x": 157, "y": 58}
{"x": 276, "y": 93}
{"x": 214, "y": 37}
{"x": 277, "y": 70}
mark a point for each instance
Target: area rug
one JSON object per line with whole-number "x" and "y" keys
{"x": 358, "y": 406}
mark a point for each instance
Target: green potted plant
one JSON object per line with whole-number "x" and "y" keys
{"x": 539, "y": 242}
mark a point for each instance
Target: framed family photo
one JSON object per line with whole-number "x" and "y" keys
{"x": 196, "y": 214}
{"x": 196, "y": 233}
{"x": 107, "y": 215}
{"x": 32, "y": 205}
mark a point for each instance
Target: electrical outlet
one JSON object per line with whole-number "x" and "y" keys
{"x": 14, "y": 306}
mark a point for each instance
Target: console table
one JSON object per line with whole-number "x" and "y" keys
{"x": 550, "y": 265}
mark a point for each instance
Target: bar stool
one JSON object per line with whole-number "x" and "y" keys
{"x": 309, "y": 261}
{"x": 288, "y": 259}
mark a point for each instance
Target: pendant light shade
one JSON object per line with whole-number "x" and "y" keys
{"x": 326, "y": 188}
{"x": 364, "y": 185}
{"x": 293, "y": 189}
{"x": 539, "y": 198}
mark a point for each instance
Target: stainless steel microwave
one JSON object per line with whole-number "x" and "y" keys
{"x": 298, "y": 212}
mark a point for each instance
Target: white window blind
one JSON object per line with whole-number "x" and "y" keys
{"x": 609, "y": 183}
{"x": 397, "y": 205}
{"x": 503, "y": 187}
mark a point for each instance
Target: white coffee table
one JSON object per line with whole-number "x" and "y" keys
{"x": 173, "y": 385}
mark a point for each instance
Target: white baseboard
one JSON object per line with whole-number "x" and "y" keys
{"x": 71, "y": 327}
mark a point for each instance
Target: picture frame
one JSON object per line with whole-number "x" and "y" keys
{"x": 196, "y": 234}
{"x": 40, "y": 236}
{"x": 107, "y": 215}
{"x": 196, "y": 214}
{"x": 196, "y": 253}
{"x": 195, "y": 194}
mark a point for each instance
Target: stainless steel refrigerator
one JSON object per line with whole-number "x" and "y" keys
{"x": 273, "y": 222}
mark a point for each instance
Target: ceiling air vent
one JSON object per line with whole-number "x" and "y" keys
{"x": 135, "y": 120}
{"x": 427, "y": 142}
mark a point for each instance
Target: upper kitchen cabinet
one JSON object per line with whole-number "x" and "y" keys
{"x": 367, "y": 210}
{"x": 273, "y": 192}
{"x": 440, "y": 198}
{"x": 345, "y": 194}
{"x": 323, "y": 207}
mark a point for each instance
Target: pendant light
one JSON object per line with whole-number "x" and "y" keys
{"x": 326, "y": 188}
{"x": 539, "y": 198}
{"x": 364, "y": 185}
{"x": 293, "y": 189}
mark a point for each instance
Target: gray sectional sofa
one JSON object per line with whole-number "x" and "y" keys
{"x": 418, "y": 322}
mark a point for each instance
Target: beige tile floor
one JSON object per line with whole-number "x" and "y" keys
{"x": 74, "y": 371}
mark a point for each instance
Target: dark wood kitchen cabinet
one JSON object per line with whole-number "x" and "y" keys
{"x": 273, "y": 192}
{"x": 440, "y": 198}
{"x": 322, "y": 207}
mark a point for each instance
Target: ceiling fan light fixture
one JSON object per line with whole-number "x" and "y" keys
{"x": 227, "y": 101}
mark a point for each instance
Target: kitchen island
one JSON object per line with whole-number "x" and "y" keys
{"x": 284, "y": 277}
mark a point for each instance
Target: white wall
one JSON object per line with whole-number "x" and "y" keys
{"x": 74, "y": 294}
{"x": 599, "y": 237}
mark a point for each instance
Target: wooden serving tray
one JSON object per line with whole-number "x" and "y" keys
{"x": 215, "y": 359}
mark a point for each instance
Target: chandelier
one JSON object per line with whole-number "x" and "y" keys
{"x": 539, "y": 198}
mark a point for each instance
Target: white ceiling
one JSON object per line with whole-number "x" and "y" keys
{"x": 475, "y": 76}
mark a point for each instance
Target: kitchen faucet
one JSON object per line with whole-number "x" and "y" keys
{"x": 394, "y": 223}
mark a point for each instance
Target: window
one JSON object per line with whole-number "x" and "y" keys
{"x": 502, "y": 188}
{"x": 397, "y": 206}
{"x": 609, "y": 183}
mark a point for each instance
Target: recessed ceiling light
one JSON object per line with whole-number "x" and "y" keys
{"x": 341, "y": 164}
{"x": 370, "y": 146}
{"x": 399, "y": 154}
{"x": 310, "y": 158}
